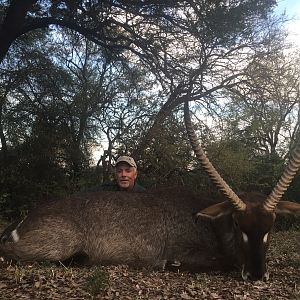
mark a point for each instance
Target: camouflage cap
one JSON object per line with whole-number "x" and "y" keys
{"x": 128, "y": 160}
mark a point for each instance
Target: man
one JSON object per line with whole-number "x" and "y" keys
{"x": 126, "y": 174}
{"x": 125, "y": 177}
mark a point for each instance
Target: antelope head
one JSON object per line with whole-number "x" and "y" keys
{"x": 253, "y": 214}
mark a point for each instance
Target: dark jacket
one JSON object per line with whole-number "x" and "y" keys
{"x": 113, "y": 186}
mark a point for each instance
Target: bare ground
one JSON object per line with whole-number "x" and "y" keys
{"x": 48, "y": 281}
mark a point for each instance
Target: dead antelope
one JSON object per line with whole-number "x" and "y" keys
{"x": 253, "y": 215}
{"x": 155, "y": 229}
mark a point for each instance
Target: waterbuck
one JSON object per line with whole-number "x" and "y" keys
{"x": 171, "y": 229}
{"x": 252, "y": 215}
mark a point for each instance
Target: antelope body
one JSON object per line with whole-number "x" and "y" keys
{"x": 139, "y": 229}
{"x": 157, "y": 229}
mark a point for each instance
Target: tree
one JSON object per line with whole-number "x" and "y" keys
{"x": 121, "y": 25}
{"x": 184, "y": 43}
{"x": 268, "y": 104}
{"x": 191, "y": 47}
{"x": 22, "y": 63}
{"x": 261, "y": 117}
{"x": 119, "y": 70}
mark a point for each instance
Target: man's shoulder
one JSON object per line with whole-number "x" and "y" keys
{"x": 138, "y": 188}
{"x": 106, "y": 186}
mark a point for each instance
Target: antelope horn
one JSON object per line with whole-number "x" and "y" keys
{"x": 237, "y": 203}
{"x": 284, "y": 181}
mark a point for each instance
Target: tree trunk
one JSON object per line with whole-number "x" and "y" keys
{"x": 13, "y": 23}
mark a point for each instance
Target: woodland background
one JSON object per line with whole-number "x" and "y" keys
{"x": 79, "y": 76}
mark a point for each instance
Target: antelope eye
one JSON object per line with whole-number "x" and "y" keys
{"x": 235, "y": 223}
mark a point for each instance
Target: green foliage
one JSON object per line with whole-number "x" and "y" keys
{"x": 166, "y": 157}
{"x": 233, "y": 161}
{"x": 293, "y": 193}
{"x": 97, "y": 281}
{"x": 287, "y": 222}
{"x": 27, "y": 179}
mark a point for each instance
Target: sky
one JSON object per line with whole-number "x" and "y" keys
{"x": 292, "y": 10}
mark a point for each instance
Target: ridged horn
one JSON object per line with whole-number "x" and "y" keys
{"x": 284, "y": 181}
{"x": 237, "y": 203}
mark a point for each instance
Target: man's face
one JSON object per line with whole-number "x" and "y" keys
{"x": 125, "y": 176}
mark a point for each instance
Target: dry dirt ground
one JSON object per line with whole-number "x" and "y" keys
{"x": 48, "y": 281}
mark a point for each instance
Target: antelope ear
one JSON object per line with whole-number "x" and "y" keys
{"x": 216, "y": 211}
{"x": 287, "y": 207}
